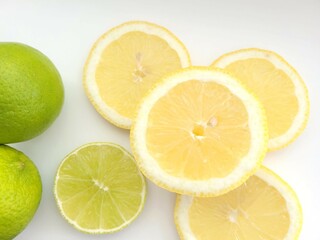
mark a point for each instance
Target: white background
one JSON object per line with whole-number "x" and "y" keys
{"x": 66, "y": 29}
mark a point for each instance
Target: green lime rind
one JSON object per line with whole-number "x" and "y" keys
{"x": 20, "y": 191}
{"x": 31, "y": 92}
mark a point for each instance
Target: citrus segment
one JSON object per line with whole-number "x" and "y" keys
{"x": 199, "y": 132}
{"x": 99, "y": 189}
{"x": 277, "y": 85}
{"x": 125, "y": 63}
{"x": 264, "y": 207}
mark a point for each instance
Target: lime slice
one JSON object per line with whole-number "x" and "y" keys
{"x": 99, "y": 189}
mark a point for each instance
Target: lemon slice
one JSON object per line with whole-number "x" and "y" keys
{"x": 99, "y": 189}
{"x": 264, "y": 207}
{"x": 199, "y": 132}
{"x": 125, "y": 63}
{"x": 277, "y": 85}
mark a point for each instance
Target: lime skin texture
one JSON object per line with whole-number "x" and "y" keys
{"x": 31, "y": 92}
{"x": 20, "y": 191}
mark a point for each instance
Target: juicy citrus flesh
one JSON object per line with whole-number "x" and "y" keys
{"x": 266, "y": 80}
{"x": 239, "y": 213}
{"x": 129, "y": 65}
{"x": 99, "y": 189}
{"x": 274, "y": 85}
{"x": 31, "y": 92}
{"x": 255, "y": 210}
{"x": 199, "y": 132}
{"x": 20, "y": 192}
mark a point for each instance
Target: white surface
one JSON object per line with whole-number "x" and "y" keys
{"x": 65, "y": 31}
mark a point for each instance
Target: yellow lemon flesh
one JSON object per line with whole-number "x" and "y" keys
{"x": 264, "y": 207}
{"x": 125, "y": 63}
{"x": 277, "y": 85}
{"x": 199, "y": 132}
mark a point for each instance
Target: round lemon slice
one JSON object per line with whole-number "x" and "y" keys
{"x": 125, "y": 63}
{"x": 99, "y": 189}
{"x": 277, "y": 85}
{"x": 264, "y": 207}
{"x": 199, "y": 132}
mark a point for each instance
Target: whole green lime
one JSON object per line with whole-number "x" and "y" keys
{"x": 20, "y": 191}
{"x": 31, "y": 92}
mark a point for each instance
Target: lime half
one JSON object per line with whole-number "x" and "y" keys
{"x": 99, "y": 188}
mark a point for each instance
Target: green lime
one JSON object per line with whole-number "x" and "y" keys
{"x": 99, "y": 188}
{"x": 31, "y": 92}
{"x": 20, "y": 191}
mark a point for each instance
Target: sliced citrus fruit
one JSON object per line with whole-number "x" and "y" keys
{"x": 277, "y": 85}
{"x": 99, "y": 189}
{"x": 124, "y": 64}
{"x": 264, "y": 207}
{"x": 199, "y": 132}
